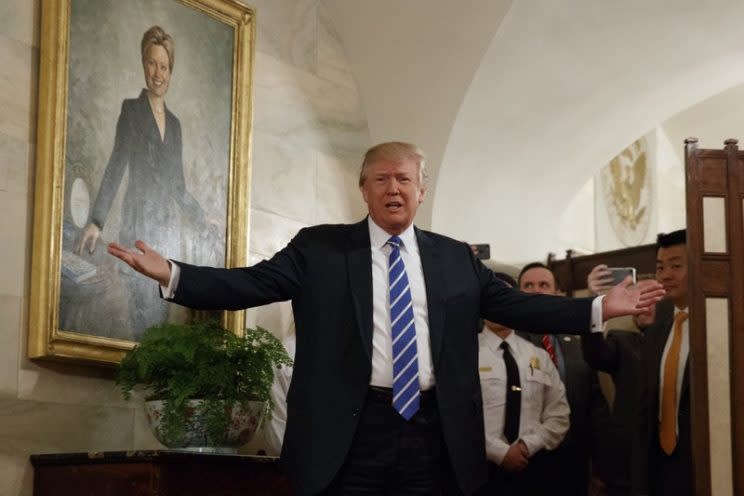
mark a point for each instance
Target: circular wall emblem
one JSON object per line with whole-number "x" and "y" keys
{"x": 626, "y": 186}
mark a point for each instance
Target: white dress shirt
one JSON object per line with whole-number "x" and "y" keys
{"x": 544, "y": 417}
{"x": 684, "y": 352}
{"x": 382, "y": 341}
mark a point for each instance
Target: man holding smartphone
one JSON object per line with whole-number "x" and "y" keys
{"x": 652, "y": 384}
{"x": 577, "y": 462}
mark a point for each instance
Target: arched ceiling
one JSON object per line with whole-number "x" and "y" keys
{"x": 519, "y": 104}
{"x": 413, "y": 62}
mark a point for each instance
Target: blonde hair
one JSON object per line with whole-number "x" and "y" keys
{"x": 157, "y": 36}
{"x": 394, "y": 151}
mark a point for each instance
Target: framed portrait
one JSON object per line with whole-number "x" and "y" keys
{"x": 144, "y": 121}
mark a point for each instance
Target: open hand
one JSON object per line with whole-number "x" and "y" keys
{"x": 625, "y": 299}
{"x": 144, "y": 260}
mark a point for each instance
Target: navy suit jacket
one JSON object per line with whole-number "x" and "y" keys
{"x": 634, "y": 361}
{"x": 619, "y": 354}
{"x": 668, "y": 474}
{"x": 327, "y": 273}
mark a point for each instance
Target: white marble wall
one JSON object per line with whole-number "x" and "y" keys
{"x": 308, "y": 136}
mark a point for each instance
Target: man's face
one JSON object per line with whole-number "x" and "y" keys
{"x": 671, "y": 272}
{"x": 392, "y": 192}
{"x": 538, "y": 280}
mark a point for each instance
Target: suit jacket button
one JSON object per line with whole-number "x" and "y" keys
{"x": 355, "y": 412}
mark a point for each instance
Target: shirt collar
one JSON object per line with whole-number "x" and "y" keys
{"x": 493, "y": 340}
{"x": 677, "y": 311}
{"x": 378, "y": 237}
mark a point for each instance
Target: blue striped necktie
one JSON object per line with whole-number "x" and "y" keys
{"x": 406, "y": 396}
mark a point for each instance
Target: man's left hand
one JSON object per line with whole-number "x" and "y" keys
{"x": 628, "y": 299}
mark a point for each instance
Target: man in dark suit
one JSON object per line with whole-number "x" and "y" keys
{"x": 572, "y": 463}
{"x": 352, "y": 427}
{"x": 651, "y": 438}
{"x": 620, "y": 356}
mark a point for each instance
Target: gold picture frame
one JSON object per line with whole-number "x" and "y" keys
{"x": 89, "y": 59}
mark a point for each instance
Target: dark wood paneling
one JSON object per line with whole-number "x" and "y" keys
{"x": 736, "y": 336}
{"x": 157, "y": 473}
{"x": 697, "y": 180}
{"x": 573, "y": 271}
{"x": 717, "y": 174}
{"x": 711, "y": 175}
{"x": 715, "y": 277}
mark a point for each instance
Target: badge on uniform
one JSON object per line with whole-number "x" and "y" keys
{"x": 534, "y": 364}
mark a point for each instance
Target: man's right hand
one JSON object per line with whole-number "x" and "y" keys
{"x": 515, "y": 459}
{"x": 144, "y": 260}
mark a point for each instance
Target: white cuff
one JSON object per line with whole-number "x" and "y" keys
{"x": 597, "y": 324}
{"x": 533, "y": 443}
{"x": 175, "y": 274}
{"x": 496, "y": 450}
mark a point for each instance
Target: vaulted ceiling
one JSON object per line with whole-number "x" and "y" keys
{"x": 518, "y": 104}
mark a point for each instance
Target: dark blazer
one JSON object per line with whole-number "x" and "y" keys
{"x": 619, "y": 354}
{"x": 156, "y": 190}
{"x": 327, "y": 273}
{"x": 668, "y": 474}
{"x": 157, "y": 206}
{"x": 634, "y": 361}
{"x": 590, "y": 416}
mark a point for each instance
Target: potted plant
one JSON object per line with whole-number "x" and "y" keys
{"x": 204, "y": 385}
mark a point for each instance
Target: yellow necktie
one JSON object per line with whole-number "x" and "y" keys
{"x": 668, "y": 428}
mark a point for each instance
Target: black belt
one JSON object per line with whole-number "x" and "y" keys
{"x": 379, "y": 394}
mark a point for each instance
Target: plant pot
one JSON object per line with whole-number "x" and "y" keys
{"x": 241, "y": 421}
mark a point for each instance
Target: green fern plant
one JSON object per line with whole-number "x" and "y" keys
{"x": 179, "y": 362}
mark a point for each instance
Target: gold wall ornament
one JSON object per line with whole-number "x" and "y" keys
{"x": 90, "y": 63}
{"x": 626, "y": 190}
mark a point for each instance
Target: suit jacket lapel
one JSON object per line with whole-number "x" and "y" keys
{"x": 359, "y": 261}
{"x": 434, "y": 282}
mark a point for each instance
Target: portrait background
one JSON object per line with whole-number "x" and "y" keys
{"x": 104, "y": 69}
{"x": 303, "y": 95}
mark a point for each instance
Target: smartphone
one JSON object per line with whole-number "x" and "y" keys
{"x": 482, "y": 251}
{"x": 620, "y": 273}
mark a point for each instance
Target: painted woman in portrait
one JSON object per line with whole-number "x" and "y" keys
{"x": 156, "y": 205}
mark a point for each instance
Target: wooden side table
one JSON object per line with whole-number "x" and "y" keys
{"x": 157, "y": 473}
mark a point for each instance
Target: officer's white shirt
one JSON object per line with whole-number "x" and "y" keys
{"x": 544, "y": 417}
